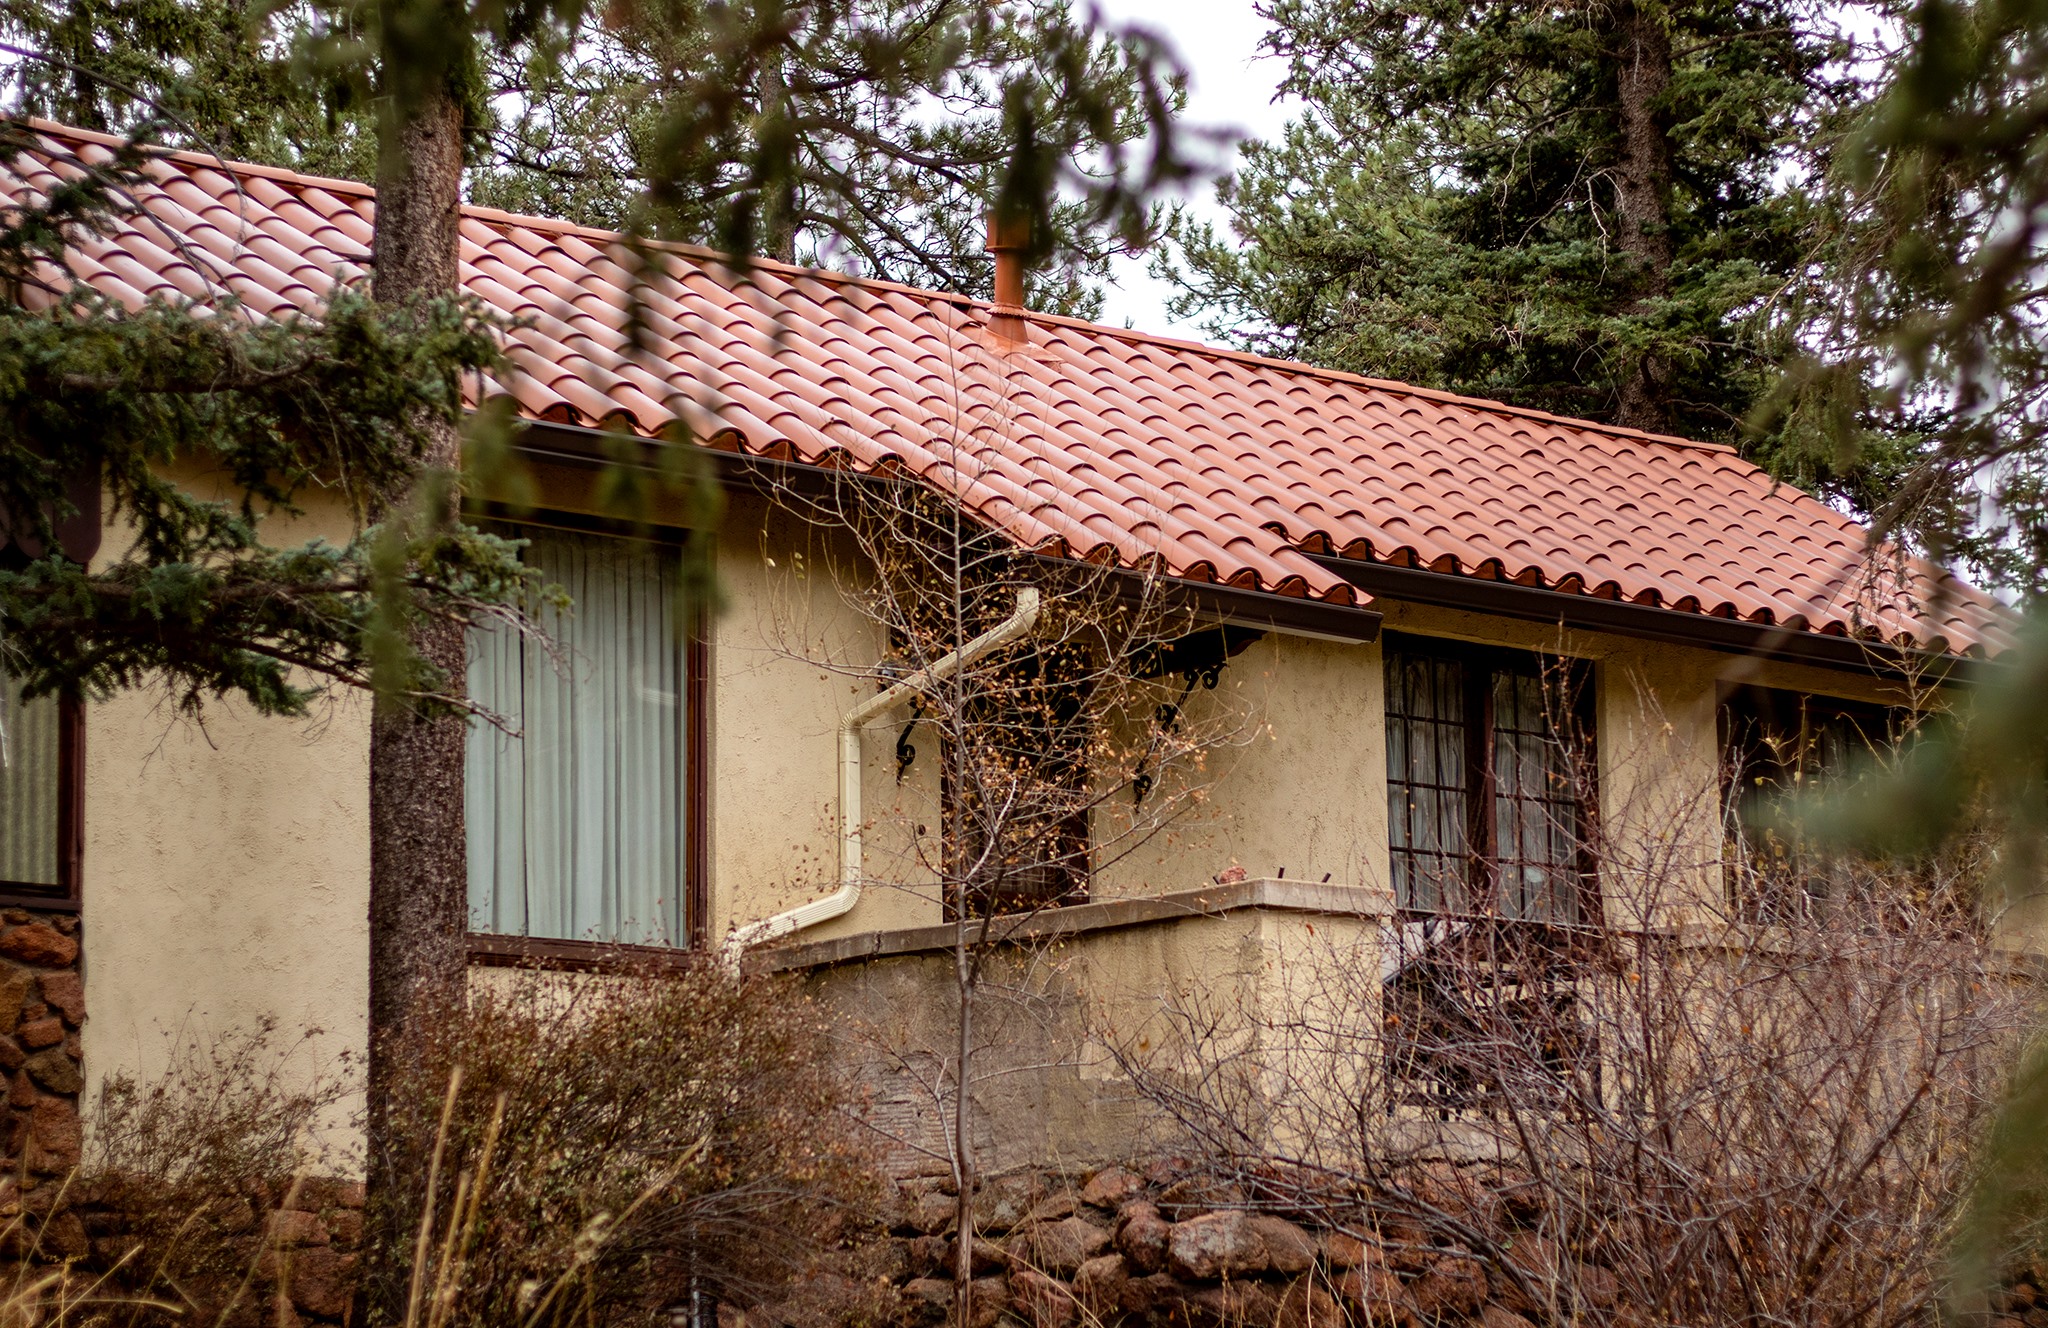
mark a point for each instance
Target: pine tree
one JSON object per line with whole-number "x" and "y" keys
{"x": 1591, "y": 208}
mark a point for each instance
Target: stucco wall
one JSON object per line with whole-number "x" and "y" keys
{"x": 226, "y": 876}
{"x": 791, "y": 654}
{"x": 1295, "y": 783}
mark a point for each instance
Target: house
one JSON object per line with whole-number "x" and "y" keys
{"x": 1395, "y": 565}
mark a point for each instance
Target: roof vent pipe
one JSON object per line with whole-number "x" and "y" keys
{"x": 1009, "y": 237}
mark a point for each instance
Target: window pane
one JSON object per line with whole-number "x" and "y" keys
{"x": 1535, "y": 806}
{"x": 576, "y": 823}
{"x": 30, "y": 735}
{"x": 1426, "y": 798}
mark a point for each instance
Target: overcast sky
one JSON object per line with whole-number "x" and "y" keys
{"x": 1217, "y": 41}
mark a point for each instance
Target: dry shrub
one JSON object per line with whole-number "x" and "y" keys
{"x": 618, "y": 1147}
{"x": 1669, "y": 1111}
{"x": 178, "y": 1173}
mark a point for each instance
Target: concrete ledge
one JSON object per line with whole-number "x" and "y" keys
{"x": 1055, "y": 924}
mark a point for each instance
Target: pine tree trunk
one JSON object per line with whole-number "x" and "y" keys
{"x": 418, "y": 855}
{"x": 1643, "y": 199}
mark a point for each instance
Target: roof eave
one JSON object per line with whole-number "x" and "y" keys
{"x": 578, "y": 445}
{"x": 1734, "y": 636}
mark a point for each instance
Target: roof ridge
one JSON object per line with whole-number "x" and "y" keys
{"x": 558, "y": 226}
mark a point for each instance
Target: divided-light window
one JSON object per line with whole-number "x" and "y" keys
{"x": 579, "y": 817}
{"x": 1775, "y": 746}
{"x": 1487, "y": 785}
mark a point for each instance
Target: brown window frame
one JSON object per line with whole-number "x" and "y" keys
{"x": 1482, "y": 861}
{"x": 67, "y": 895}
{"x": 492, "y": 949}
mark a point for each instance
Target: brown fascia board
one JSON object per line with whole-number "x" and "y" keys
{"x": 1733, "y": 636}
{"x": 574, "y": 445}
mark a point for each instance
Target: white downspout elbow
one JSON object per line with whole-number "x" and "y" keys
{"x": 841, "y": 901}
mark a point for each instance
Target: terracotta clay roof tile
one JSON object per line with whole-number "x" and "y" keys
{"x": 1219, "y": 466}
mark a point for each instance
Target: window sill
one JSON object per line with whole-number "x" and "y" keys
{"x": 11, "y": 897}
{"x": 488, "y": 950}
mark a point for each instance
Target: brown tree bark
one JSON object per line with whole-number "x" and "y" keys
{"x": 418, "y": 857}
{"x": 1642, "y": 198}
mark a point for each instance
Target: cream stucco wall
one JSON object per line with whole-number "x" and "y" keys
{"x": 1295, "y": 783}
{"x": 226, "y": 878}
{"x": 791, "y": 654}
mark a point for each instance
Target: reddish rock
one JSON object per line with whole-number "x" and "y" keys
{"x": 55, "y": 1137}
{"x": 1196, "y": 1195}
{"x": 1406, "y": 1246}
{"x": 1597, "y": 1287}
{"x": 986, "y": 1298}
{"x": 1499, "y": 1316}
{"x": 1307, "y": 1303}
{"x": 932, "y": 1213}
{"x": 1001, "y": 1204}
{"x": 1059, "y": 1248}
{"x": 925, "y": 1300}
{"x": 37, "y": 944}
{"x": 1215, "y": 1245}
{"x": 1142, "y": 1236}
{"x": 11, "y": 1055}
{"x": 1161, "y": 1172}
{"x": 986, "y": 1257}
{"x": 1231, "y": 1305}
{"x": 21, "y": 1090}
{"x": 1452, "y": 1287}
{"x": 1289, "y": 1249}
{"x": 64, "y": 992}
{"x": 322, "y": 1282}
{"x": 1052, "y": 1208}
{"x": 55, "y": 1070}
{"x": 1376, "y": 1298}
{"x": 1112, "y": 1188}
{"x": 289, "y": 1228}
{"x": 1151, "y": 1297}
{"x": 1099, "y": 1285}
{"x": 1235, "y": 1244}
{"x": 15, "y": 986}
{"x": 1342, "y": 1251}
{"x": 927, "y": 1255}
{"x": 41, "y": 1033}
{"x": 1041, "y": 1301}
{"x": 64, "y": 1236}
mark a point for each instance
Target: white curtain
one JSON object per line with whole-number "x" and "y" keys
{"x": 576, "y": 828}
{"x": 29, "y": 739}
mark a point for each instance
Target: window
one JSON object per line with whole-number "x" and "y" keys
{"x": 1483, "y": 781}
{"x": 584, "y": 820}
{"x": 1486, "y": 767}
{"x": 1775, "y": 745}
{"x": 39, "y": 803}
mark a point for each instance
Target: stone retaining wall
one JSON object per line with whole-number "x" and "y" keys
{"x": 42, "y": 1007}
{"x": 1163, "y": 1246}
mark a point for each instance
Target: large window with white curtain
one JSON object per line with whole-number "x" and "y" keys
{"x": 577, "y": 802}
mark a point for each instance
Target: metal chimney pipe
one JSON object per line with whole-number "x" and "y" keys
{"x": 1008, "y": 239}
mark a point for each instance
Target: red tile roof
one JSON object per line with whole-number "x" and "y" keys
{"x": 1088, "y": 440}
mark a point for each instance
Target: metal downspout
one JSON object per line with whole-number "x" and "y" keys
{"x": 842, "y": 900}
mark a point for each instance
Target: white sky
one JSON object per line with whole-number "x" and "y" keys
{"x": 1229, "y": 87}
